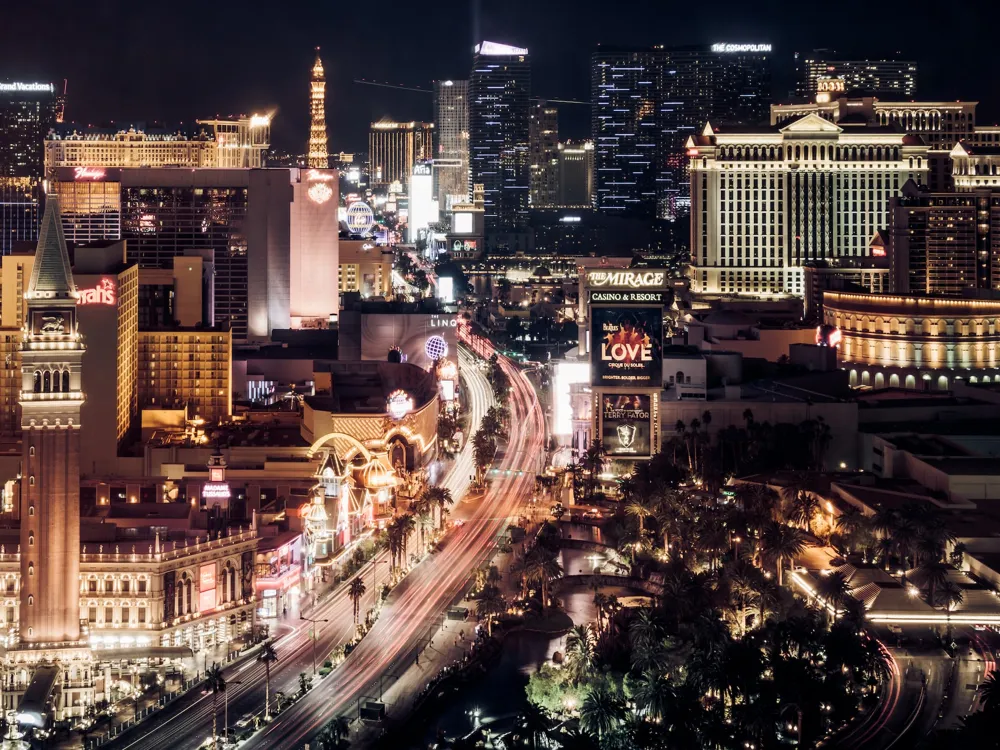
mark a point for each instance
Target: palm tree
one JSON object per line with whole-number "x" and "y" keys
{"x": 834, "y": 590}
{"x": 593, "y": 462}
{"x": 439, "y": 496}
{"x": 581, "y": 649}
{"x": 780, "y": 542}
{"x": 217, "y": 684}
{"x": 936, "y": 574}
{"x": 602, "y": 711}
{"x": 490, "y": 604}
{"x": 394, "y": 537}
{"x": 803, "y": 508}
{"x": 534, "y": 722}
{"x": 540, "y": 567}
{"x": 407, "y": 523}
{"x": 355, "y": 591}
{"x": 640, "y": 508}
{"x": 989, "y": 692}
{"x": 654, "y": 694}
{"x": 268, "y": 655}
{"x": 644, "y": 631}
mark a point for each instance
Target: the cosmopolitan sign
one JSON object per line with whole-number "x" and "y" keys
{"x": 102, "y": 294}
{"x": 725, "y": 47}
{"x": 626, "y": 279}
{"x": 18, "y": 87}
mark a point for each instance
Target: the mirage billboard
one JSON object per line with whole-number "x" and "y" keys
{"x": 626, "y": 427}
{"x": 626, "y": 346}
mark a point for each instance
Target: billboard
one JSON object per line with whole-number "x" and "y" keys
{"x": 206, "y": 587}
{"x": 421, "y": 338}
{"x": 626, "y": 346}
{"x": 626, "y": 428}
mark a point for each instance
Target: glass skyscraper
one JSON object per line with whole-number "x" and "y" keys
{"x": 645, "y": 104}
{"x": 451, "y": 131}
{"x": 499, "y": 102}
{"x": 27, "y": 112}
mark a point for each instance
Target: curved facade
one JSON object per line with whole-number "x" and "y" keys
{"x": 926, "y": 343}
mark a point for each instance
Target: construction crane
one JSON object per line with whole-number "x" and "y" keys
{"x": 401, "y": 87}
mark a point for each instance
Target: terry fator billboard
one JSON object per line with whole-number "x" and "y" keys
{"x": 626, "y": 346}
{"x": 626, "y": 428}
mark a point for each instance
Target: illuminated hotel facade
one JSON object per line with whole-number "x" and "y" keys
{"x": 451, "y": 130}
{"x": 896, "y": 78}
{"x": 765, "y": 204}
{"x": 187, "y": 368}
{"x": 395, "y": 147}
{"x": 906, "y": 341}
{"x": 223, "y": 144}
{"x": 268, "y": 237}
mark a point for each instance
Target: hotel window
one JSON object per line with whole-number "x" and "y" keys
{"x": 125, "y": 615}
{"x": 92, "y": 614}
{"x": 92, "y": 586}
{"x": 109, "y": 615}
{"x": 109, "y": 585}
{"x": 125, "y": 586}
{"x": 142, "y": 615}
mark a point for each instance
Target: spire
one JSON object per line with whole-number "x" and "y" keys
{"x": 51, "y": 275}
{"x": 318, "y": 157}
{"x": 317, "y": 71}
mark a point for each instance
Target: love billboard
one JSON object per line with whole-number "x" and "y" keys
{"x": 626, "y": 346}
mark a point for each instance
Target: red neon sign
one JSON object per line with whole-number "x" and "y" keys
{"x": 102, "y": 294}
{"x": 88, "y": 173}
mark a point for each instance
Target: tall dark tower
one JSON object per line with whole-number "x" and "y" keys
{"x": 499, "y": 104}
{"x": 51, "y": 397}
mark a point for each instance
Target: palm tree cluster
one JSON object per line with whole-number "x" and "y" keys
{"x": 498, "y": 379}
{"x": 753, "y": 448}
{"x": 675, "y": 676}
{"x": 907, "y": 537}
{"x": 398, "y": 537}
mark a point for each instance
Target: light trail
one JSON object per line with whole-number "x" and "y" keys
{"x": 426, "y": 592}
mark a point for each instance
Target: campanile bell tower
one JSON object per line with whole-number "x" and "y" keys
{"x": 51, "y": 397}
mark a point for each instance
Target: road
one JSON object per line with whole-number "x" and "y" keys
{"x": 427, "y": 592}
{"x": 188, "y": 727}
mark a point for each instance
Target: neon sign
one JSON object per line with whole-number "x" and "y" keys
{"x": 399, "y": 404}
{"x": 216, "y": 491}
{"x": 314, "y": 175}
{"x": 626, "y": 278}
{"x": 320, "y": 193}
{"x": 102, "y": 294}
{"x": 18, "y": 86}
{"x": 723, "y": 47}
{"x": 88, "y": 173}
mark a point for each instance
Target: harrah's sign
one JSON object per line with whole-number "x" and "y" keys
{"x": 102, "y": 294}
{"x": 629, "y": 279}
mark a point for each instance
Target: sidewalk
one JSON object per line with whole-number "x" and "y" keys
{"x": 444, "y": 648}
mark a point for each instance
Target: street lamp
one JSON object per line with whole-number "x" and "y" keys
{"x": 225, "y": 693}
{"x": 309, "y": 619}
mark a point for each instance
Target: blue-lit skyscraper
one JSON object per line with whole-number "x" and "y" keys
{"x": 646, "y": 102}
{"x": 27, "y": 112}
{"x": 499, "y": 99}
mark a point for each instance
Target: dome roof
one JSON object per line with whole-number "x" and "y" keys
{"x": 375, "y": 475}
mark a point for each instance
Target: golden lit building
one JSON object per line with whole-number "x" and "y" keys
{"x": 394, "y": 147}
{"x": 223, "y": 144}
{"x": 187, "y": 367}
{"x": 15, "y": 270}
{"x": 365, "y": 268}
{"x": 925, "y": 343}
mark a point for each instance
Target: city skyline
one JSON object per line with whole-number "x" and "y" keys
{"x": 270, "y": 62}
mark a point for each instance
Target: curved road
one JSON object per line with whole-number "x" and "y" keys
{"x": 427, "y": 592}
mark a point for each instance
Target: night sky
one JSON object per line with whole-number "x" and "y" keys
{"x": 177, "y": 61}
